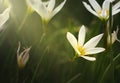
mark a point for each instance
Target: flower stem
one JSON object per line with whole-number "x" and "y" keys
{"x": 44, "y": 25}
{"x": 76, "y": 55}
{"x": 110, "y": 31}
{"x": 110, "y": 66}
{"x": 38, "y": 65}
{"x": 73, "y": 78}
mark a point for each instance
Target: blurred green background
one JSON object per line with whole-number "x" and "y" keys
{"x": 51, "y": 56}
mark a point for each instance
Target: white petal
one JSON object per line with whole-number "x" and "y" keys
{"x": 39, "y": 7}
{"x": 45, "y": 2}
{"x": 57, "y": 9}
{"x": 115, "y": 11}
{"x": 4, "y": 17}
{"x": 111, "y": 0}
{"x": 33, "y": 3}
{"x": 18, "y": 49}
{"x": 26, "y": 56}
{"x": 114, "y": 36}
{"x": 94, "y": 50}
{"x": 104, "y": 14}
{"x": 90, "y": 9}
{"x": 51, "y": 5}
{"x": 95, "y": 5}
{"x": 93, "y": 42}
{"x": 26, "y": 53}
{"x": 116, "y": 6}
{"x": 106, "y": 5}
{"x": 81, "y": 35}
{"x": 89, "y": 58}
{"x": 72, "y": 40}
{"x": 26, "y": 59}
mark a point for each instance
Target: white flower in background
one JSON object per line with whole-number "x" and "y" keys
{"x": 6, "y": 3}
{"x": 85, "y": 49}
{"x": 23, "y": 57}
{"x": 114, "y": 37}
{"x": 45, "y": 9}
{"x": 102, "y": 12}
{"x": 4, "y": 17}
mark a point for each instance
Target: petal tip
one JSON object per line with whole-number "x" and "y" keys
{"x": 89, "y": 58}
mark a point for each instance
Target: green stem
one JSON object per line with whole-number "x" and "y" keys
{"x": 110, "y": 31}
{"x": 73, "y": 78}
{"x": 76, "y": 55}
{"x": 115, "y": 58}
{"x": 109, "y": 46}
{"x": 108, "y": 67}
{"x": 105, "y": 72}
{"x": 38, "y": 65}
{"x": 103, "y": 26}
{"x": 40, "y": 41}
{"x": 44, "y": 24}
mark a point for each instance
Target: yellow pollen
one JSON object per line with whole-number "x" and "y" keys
{"x": 99, "y": 12}
{"x": 49, "y": 11}
{"x": 81, "y": 50}
{"x": 107, "y": 12}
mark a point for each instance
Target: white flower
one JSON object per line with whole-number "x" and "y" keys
{"x": 85, "y": 49}
{"x": 6, "y": 3}
{"x": 23, "y": 57}
{"x": 114, "y": 37}
{"x": 102, "y": 12}
{"x": 45, "y": 9}
{"x": 4, "y": 17}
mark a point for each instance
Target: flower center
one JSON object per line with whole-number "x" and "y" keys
{"x": 104, "y": 14}
{"x": 81, "y": 50}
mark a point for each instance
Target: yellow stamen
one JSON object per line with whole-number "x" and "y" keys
{"x": 81, "y": 50}
{"x": 107, "y": 12}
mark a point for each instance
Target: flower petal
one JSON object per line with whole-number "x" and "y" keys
{"x": 72, "y": 40}
{"x": 33, "y": 3}
{"x": 114, "y": 36}
{"x": 81, "y": 35}
{"x": 45, "y": 2}
{"x": 95, "y": 5}
{"x": 18, "y": 49}
{"x": 89, "y": 58}
{"x": 104, "y": 14}
{"x": 25, "y": 59}
{"x": 26, "y": 55}
{"x": 90, "y": 9}
{"x": 51, "y": 5}
{"x": 116, "y": 6}
{"x": 93, "y": 42}
{"x": 39, "y": 7}
{"x": 115, "y": 11}
{"x": 57, "y": 9}
{"x": 105, "y": 5}
{"x": 111, "y": 0}
{"x": 4, "y": 17}
{"x": 94, "y": 50}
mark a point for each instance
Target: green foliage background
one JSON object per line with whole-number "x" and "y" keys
{"x": 51, "y": 55}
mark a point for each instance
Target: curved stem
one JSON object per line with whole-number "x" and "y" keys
{"x": 73, "y": 78}
{"x": 38, "y": 65}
